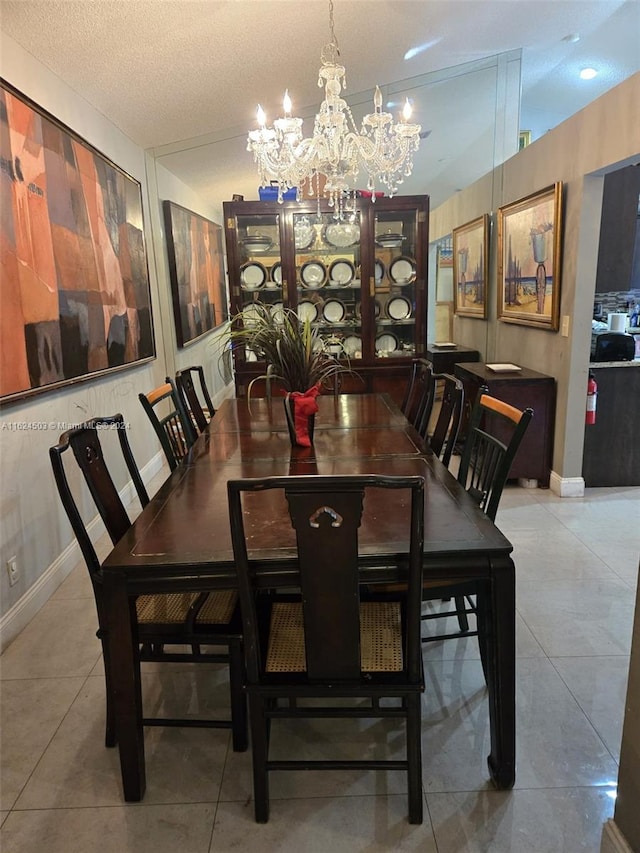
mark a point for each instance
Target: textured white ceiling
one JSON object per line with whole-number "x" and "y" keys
{"x": 165, "y": 71}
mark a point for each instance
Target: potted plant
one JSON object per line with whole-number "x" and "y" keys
{"x": 296, "y": 357}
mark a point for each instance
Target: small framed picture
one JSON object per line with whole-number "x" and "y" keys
{"x": 529, "y": 259}
{"x": 470, "y": 265}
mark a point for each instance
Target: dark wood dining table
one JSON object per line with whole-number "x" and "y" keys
{"x": 181, "y": 541}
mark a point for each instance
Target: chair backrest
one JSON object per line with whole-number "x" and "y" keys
{"x": 486, "y": 459}
{"x": 173, "y": 428}
{"x": 325, "y": 512}
{"x": 420, "y": 395}
{"x": 191, "y": 401}
{"x": 85, "y": 444}
{"x": 447, "y": 426}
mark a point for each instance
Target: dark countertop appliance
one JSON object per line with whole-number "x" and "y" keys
{"x": 614, "y": 346}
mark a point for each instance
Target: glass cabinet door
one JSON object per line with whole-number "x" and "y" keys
{"x": 395, "y": 303}
{"x": 327, "y": 264}
{"x": 260, "y": 266}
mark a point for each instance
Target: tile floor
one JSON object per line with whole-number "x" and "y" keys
{"x": 577, "y": 570}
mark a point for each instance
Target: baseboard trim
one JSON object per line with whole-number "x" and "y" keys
{"x": 613, "y": 841}
{"x": 566, "y": 487}
{"x": 41, "y": 591}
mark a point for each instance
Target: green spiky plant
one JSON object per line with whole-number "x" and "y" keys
{"x": 294, "y": 352}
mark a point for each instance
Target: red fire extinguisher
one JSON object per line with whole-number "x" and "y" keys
{"x": 592, "y": 396}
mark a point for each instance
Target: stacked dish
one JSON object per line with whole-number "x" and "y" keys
{"x": 398, "y": 308}
{"x": 402, "y": 270}
{"x": 313, "y": 275}
{"x": 341, "y": 273}
{"x": 307, "y": 311}
{"x": 276, "y": 276}
{"x": 252, "y": 276}
{"x": 334, "y": 311}
{"x": 389, "y": 240}
{"x": 386, "y": 343}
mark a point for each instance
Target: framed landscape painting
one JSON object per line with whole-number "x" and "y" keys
{"x": 75, "y": 300}
{"x": 196, "y": 270}
{"x": 529, "y": 259}
{"x": 470, "y": 266}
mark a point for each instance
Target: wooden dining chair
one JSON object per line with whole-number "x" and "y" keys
{"x": 494, "y": 435}
{"x": 198, "y": 406}
{"x": 445, "y": 433}
{"x": 327, "y": 642}
{"x": 417, "y": 405}
{"x": 170, "y": 421}
{"x": 193, "y": 620}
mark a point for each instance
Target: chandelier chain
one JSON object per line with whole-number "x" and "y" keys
{"x": 332, "y": 32}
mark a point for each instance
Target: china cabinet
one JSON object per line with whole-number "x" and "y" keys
{"x": 360, "y": 280}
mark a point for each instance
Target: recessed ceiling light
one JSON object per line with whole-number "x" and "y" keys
{"x": 572, "y": 38}
{"x": 416, "y": 51}
{"x": 588, "y": 73}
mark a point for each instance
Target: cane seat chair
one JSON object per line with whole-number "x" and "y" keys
{"x": 170, "y": 421}
{"x": 325, "y": 641}
{"x": 188, "y": 620}
{"x": 494, "y": 435}
{"x": 198, "y": 406}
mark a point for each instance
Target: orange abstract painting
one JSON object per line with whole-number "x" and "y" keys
{"x": 74, "y": 283}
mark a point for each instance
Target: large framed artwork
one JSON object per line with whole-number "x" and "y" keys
{"x": 196, "y": 270}
{"x": 529, "y": 259}
{"x": 75, "y": 300}
{"x": 470, "y": 266}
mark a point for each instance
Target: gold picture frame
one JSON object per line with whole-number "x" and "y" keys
{"x": 529, "y": 259}
{"x": 470, "y": 267}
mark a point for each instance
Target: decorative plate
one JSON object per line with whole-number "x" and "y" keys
{"x": 276, "y": 275}
{"x": 389, "y": 239}
{"x": 378, "y": 270}
{"x": 398, "y": 308}
{"x": 402, "y": 270}
{"x": 307, "y": 311}
{"x": 334, "y": 311}
{"x": 277, "y": 312}
{"x": 258, "y": 243}
{"x": 303, "y": 233}
{"x": 342, "y": 234}
{"x": 351, "y": 345}
{"x": 341, "y": 273}
{"x": 313, "y": 274}
{"x": 252, "y": 276}
{"x": 386, "y": 343}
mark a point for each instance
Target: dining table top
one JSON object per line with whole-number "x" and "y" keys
{"x": 186, "y": 525}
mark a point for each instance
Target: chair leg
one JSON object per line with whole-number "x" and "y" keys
{"x": 482, "y": 619}
{"x": 239, "y": 722}
{"x": 414, "y": 758}
{"x": 461, "y": 605}
{"x": 259, "y": 748}
{"x": 110, "y": 725}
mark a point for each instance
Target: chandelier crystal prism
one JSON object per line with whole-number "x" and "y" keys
{"x": 337, "y": 150}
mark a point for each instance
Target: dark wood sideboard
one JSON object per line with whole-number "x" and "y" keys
{"x": 445, "y": 359}
{"x": 523, "y": 389}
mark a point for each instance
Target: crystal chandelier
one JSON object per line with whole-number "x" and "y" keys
{"x": 337, "y": 150}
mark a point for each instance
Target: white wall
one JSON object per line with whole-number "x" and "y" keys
{"x": 33, "y": 526}
{"x": 600, "y": 138}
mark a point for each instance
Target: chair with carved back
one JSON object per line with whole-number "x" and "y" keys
{"x": 326, "y": 642}
{"x": 494, "y": 434}
{"x": 170, "y": 421}
{"x": 197, "y": 405}
{"x": 450, "y": 392}
{"x": 192, "y": 620}
{"x": 419, "y": 398}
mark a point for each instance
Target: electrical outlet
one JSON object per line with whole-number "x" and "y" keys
{"x": 13, "y": 570}
{"x": 565, "y": 326}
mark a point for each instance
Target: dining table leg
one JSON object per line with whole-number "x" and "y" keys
{"x": 500, "y": 613}
{"x": 125, "y": 682}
